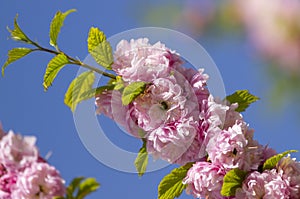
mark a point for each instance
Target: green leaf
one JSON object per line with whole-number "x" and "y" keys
{"x": 131, "y": 91}
{"x": 95, "y": 38}
{"x": 59, "y": 197}
{"x": 56, "y": 24}
{"x": 243, "y": 98}
{"x": 119, "y": 84}
{"x": 88, "y": 186}
{"x": 15, "y": 54}
{"x": 232, "y": 180}
{"x": 171, "y": 185}
{"x": 80, "y": 187}
{"x": 99, "y": 48}
{"x": 79, "y": 85}
{"x": 95, "y": 91}
{"x": 54, "y": 66}
{"x": 272, "y": 161}
{"x": 17, "y": 34}
{"x": 73, "y": 186}
{"x": 141, "y": 160}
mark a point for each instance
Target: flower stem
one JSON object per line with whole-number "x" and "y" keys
{"x": 74, "y": 61}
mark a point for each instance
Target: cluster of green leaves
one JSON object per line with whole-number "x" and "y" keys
{"x": 81, "y": 87}
{"x": 80, "y": 187}
{"x": 17, "y": 53}
{"x": 98, "y": 47}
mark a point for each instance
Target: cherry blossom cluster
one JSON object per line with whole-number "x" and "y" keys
{"x": 182, "y": 123}
{"x": 23, "y": 173}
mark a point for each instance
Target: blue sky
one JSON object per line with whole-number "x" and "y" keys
{"x": 27, "y": 109}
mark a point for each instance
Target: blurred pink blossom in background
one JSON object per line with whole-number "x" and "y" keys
{"x": 274, "y": 29}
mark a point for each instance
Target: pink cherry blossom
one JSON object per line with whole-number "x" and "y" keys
{"x": 204, "y": 180}
{"x": 232, "y": 116}
{"x": 172, "y": 140}
{"x": 235, "y": 148}
{"x": 110, "y": 104}
{"x": 39, "y": 181}
{"x": 197, "y": 81}
{"x": 138, "y": 60}
{"x": 212, "y": 117}
{"x": 268, "y": 184}
{"x": 290, "y": 170}
{"x": 164, "y": 101}
{"x": 17, "y": 152}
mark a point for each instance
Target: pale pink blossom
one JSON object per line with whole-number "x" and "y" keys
{"x": 17, "y": 152}
{"x": 197, "y": 81}
{"x": 39, "y": 181}
{"x": 212, "y": 118}
{"x": 171, "y": 141}
{"x": 232, "y": 116}
{"x": 204, "y": 180}
{"x": 290, "y": 170}
{"x": 110, "y": 104}
{"x": 268, "y": 184}
{"x": 138, "y": 60}
{"x": 164, "y": 101}
{"x": 235, "y": 148}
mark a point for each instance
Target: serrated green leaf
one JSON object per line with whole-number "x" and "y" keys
{"x": 88, "y": 186}
{"x": 272, "y": 161}
{"x": 232, "y": 180}
{"x": 17, "y": 34}
{"x": 78, "y": 86}
{"x": 103, "y": 54}
{"x": 243, "y": 98}
{"x": 54, "y": 66}
{"x": 56, "y": 24}
{"x": 95, "y": 38}
{"x": 99, "y": 48}
{"x": 95, "y": 91}
{"x": 73, "y": 186}
{"x": 15, "y": 54}
{"x": 141, "y": 160}
{"x": 131, "y": 91}
{"x": 171, "y": 185}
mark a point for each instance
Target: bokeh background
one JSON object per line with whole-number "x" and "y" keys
{"x": 254, "y": 44}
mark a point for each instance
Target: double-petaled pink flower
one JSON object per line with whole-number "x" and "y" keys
{"x": 138, "y": 60}
{"x": 204, "y": 180}
{"x": 40, "y": 180}
{"x": 23, "y": 174}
